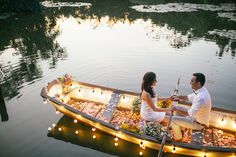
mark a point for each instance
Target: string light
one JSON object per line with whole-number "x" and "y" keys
{"x": 49, "y": 128}
{"x": 116, "y": 144}
{"x": 53, "y": 125}
{"x": 57, "y": 111}
{"x": 174, "y": 149}
{"x": 116, "y": 138}
{"x": 93, "y": 91}
{"x": 76, "y": 132}
{"x": 93, "y": 129}
{"x": 94, "y": 136}
{"x": 101, "y": 92}
{"x": 45, "y": 101}
{"x": 79, "y": 90}
{"x": 223, "y": 120}
{"x": 75, "y": 120}
{"x": 59, "y": 129}
{"x": 141, "y": 144}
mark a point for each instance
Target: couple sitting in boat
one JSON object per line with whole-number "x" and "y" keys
{"x": 196, "y": 117}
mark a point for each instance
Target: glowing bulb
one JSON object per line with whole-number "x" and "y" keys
{"x": 174, "y": 149}
{"x": 59, "y": 129}
{"x": 49, "y": 128}
{"x": 79, "y": 90}
{"x": 116, "y": 139}
{"x": 45, "y": 101}
{"x": 116, "y": 144}
{"x": 57, "y": 111}
{"x": 76, "y": 132}
{"x": 140, "y": 153}
{"x": 94, "y": 136}
{"x": 93, "y": 129}
{"x": 93, "y": 91}
{"x": 53, "y": 125}
{"x": 75, "y": 120}
{"x": 141, "y": 144}
{"x": 101, "y": 92}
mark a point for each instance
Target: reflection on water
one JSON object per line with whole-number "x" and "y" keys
{"x": 82, "y": 135}
{"x": 109, "y": 27}
{"x": 3, "y": 109}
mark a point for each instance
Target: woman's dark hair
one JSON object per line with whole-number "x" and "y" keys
{"x": 148, "y": 80}
{"x": 200, "y": 78}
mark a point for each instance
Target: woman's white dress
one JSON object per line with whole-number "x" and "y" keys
{"x": 148, "y": 114}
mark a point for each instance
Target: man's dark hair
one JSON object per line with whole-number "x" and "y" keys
{"x": 200, "y": 78}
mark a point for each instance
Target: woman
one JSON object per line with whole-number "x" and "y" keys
{"x": 149, "y": 111}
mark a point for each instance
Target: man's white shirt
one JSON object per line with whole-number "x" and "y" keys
{"x": 201, "y": 106}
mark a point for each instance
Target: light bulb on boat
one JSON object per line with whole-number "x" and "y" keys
{"x": 45, "y": 101}
{"x": 93, "y": 129}
{"x": 57, "y": 111}
{"x": 141, "y": 144}
{"x": 125, "y": 99}
{"x": 116, "y": 144}
{"x": 76, "y": 132}
{"x": 223, "y": 120}
{"x": 59, "y": 129}
{"x": 49, "y": 128}
{"x": 53, "y": 125}
{"x": 75, "y": 120}
{"x": 173, "y": 149}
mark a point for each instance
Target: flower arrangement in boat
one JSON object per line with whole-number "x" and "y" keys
{"x": 66, "y": 83}
{"x": 152, "y": 129}
{"x": 164, "y": 103}
{"x": 131, "y": 124}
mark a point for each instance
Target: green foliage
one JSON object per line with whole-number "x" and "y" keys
{"x": 152, "y": 129}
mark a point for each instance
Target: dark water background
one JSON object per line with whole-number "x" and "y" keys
{"x": 108, "y": 43}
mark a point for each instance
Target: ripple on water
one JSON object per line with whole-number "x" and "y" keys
{"x": 183, "y": 7}
{"x": 231, "y": 16}
{"x": 50, "y": 4}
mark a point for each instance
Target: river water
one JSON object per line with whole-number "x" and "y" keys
{"x": 108, "y": 43}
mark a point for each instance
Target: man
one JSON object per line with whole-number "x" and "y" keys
{"x": 198, "y": 115}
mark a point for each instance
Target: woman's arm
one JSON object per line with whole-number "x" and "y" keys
{"x": 148, "y": 99}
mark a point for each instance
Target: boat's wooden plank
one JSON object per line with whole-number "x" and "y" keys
{"x": 197, "y": 137}
{"x": 111, "y": 106}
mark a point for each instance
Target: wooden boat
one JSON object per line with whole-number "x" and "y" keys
{"x": 112, "y": 111}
